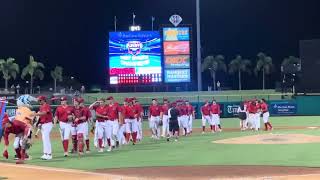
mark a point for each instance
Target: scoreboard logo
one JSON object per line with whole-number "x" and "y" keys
{"x": 134, "y": 47}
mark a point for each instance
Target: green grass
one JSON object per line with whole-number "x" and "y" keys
{"x": 197, "y": 150}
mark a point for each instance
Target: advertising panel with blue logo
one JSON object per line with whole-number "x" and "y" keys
{"x": 135, "y": 57}
{"x": 283, "y": 108}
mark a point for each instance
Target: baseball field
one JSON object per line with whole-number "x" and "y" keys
{"x": 290, "y": 151}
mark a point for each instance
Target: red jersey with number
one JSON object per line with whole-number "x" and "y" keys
{"x": 128, "y": 112}
{"x": 62, "y": 113}
{"x": 102, "y": 110}
{"x": 46, "y": 118}
{"x": 205, "y": 110}
{"x": 165, "y": 109}
{"x": 155, "y": 110}
{"x": 113, "y": 112}
{"x": 190, "y": 110}
{"x": 215, "y": 109}
{"x": 264, "y": 107}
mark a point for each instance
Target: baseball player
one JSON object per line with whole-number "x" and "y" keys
{"x": 101, "y": 109}
{"x": 87, "y": 114}
{"x": 139, "y": 115}
{"x": 165, "y": 118}
{"x": 242, "y": 116}
{"x": 79, "y": 122}
{"x": 258, "y": 114}
{"x": 265, "y": 115}
{"x": 130, "y": 120}
{"x": 184, "y": 121}
{"x": 215, "y": 116}
{"x": 63, "y": 116}
{"x": 22, "y": 122}
{"x": 252, "y": 109}
{"x": 173, "y": 114}
{"x": 154, "y": 118}
{"x": 45, "y": 120}
{"x": 191, "y": 115}
{"x": 112, "y": 123}
{"x": 205, "y": 113}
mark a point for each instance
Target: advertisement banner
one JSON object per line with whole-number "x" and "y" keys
{"x": 176, "y": 48}
{"x": 283, "y": 108}
{"x": 230, "y": 109}
{"x": 177, "y": 75}
{"x": 179, "y": 61}
{"x": 134, "y": 53}
{"x": 176, "y": 34}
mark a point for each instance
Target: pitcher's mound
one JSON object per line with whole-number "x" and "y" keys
{"x": 272, "y": 139}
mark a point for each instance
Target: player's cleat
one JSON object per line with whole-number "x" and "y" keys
{"x": 109, "y": 149}
{"x": 80, "y": 153}
{"x": 203, "y": 132}
{"x": 44, "y": 157}
{"x": 176, "y": 140}
{"x": 88, "y": 151}
{"x": 20, "y": 161}
{"x": 168, "y": 139}
{"x": 49, "y": 157}
{"x": 220, "y": 130}
{"x": 66, "y": 154}
{"x": 117, "y": 144}
{"x": 100, "y": 150}
{"x": 16, "y": 157}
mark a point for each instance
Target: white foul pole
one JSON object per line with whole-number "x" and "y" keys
{"x": 198, "y": 46}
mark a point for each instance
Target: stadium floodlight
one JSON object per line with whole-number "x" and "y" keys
{"x": 135, "y": 28}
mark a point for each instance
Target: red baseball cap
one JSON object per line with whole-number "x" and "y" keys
{"x": 134, "y": 98}
{"x": 64, "y": 98}
{"x": 165, "y": 99}
{"x": 42, "y": 98}
{"x": 110, "y": 98}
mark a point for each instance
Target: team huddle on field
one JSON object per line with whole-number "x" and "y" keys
{"x": 113, "y": 125}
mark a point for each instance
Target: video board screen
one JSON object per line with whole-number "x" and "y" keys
{"x": 176, "y": 47}
{"x": 178, "y": 61}
{"x": 176, "y": 34}
{"x": 177, "y": 75}
{"x": 135, "y": 57}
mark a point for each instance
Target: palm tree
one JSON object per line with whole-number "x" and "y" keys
{"x": 9, "y": 69}
{"x": 239, "y": 65}
{"x": 34, "y": 70}
{"x": 264, "y": 64}
{"x": 290, "y": 65}
{"x": 214, "y": 64}
{"x": 56, "y": 75}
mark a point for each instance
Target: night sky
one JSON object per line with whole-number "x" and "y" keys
{"x": 74, "y": 34}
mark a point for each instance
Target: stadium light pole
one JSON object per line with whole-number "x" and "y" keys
{"x": 198, "y": 46}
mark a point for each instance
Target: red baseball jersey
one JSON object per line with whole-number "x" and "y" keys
{"x": 183, "y": 110}
{"x": 113, "y": 112}
{"x": 215, "y": 109}
{"x": 190, "y": 109}
{"x": 205, "y": 110}
{"x": 62, "y": 113}
{"x": 252, "y": 108}
{"x": 102, "y": 110}
{"x": 264, "y": 107}
{"x": 138, "y": 110}
{"x": 155, "y": 110}
{"x": 86, "y": 112}
{"x": 46, "y": 118}
{"x": 165, "y": 109}
{"x": 128, "y": 112}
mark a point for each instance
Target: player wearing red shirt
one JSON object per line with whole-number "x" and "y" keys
{"x": 87, "y": 114}
{"x": 139, "y": 115}
{"x": 252, "y": 109}
{"x": 215, "y": 116}
{"x": 112, "y": 123}
{"x": 191, "y": 115}
{"x": 45, "y": 119}
{"x": 183, "y": 112}
{"x": 154, "y": 118}
{"x": 63, "y": 115}
{"x": 165, "y": 118}
{"x": 205, "y": 113}
{"x": 79, "y": 123}
{"x": 128, "y": 112}
{"x": 265, "y": 114}
{"x": 101, "y": 109}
